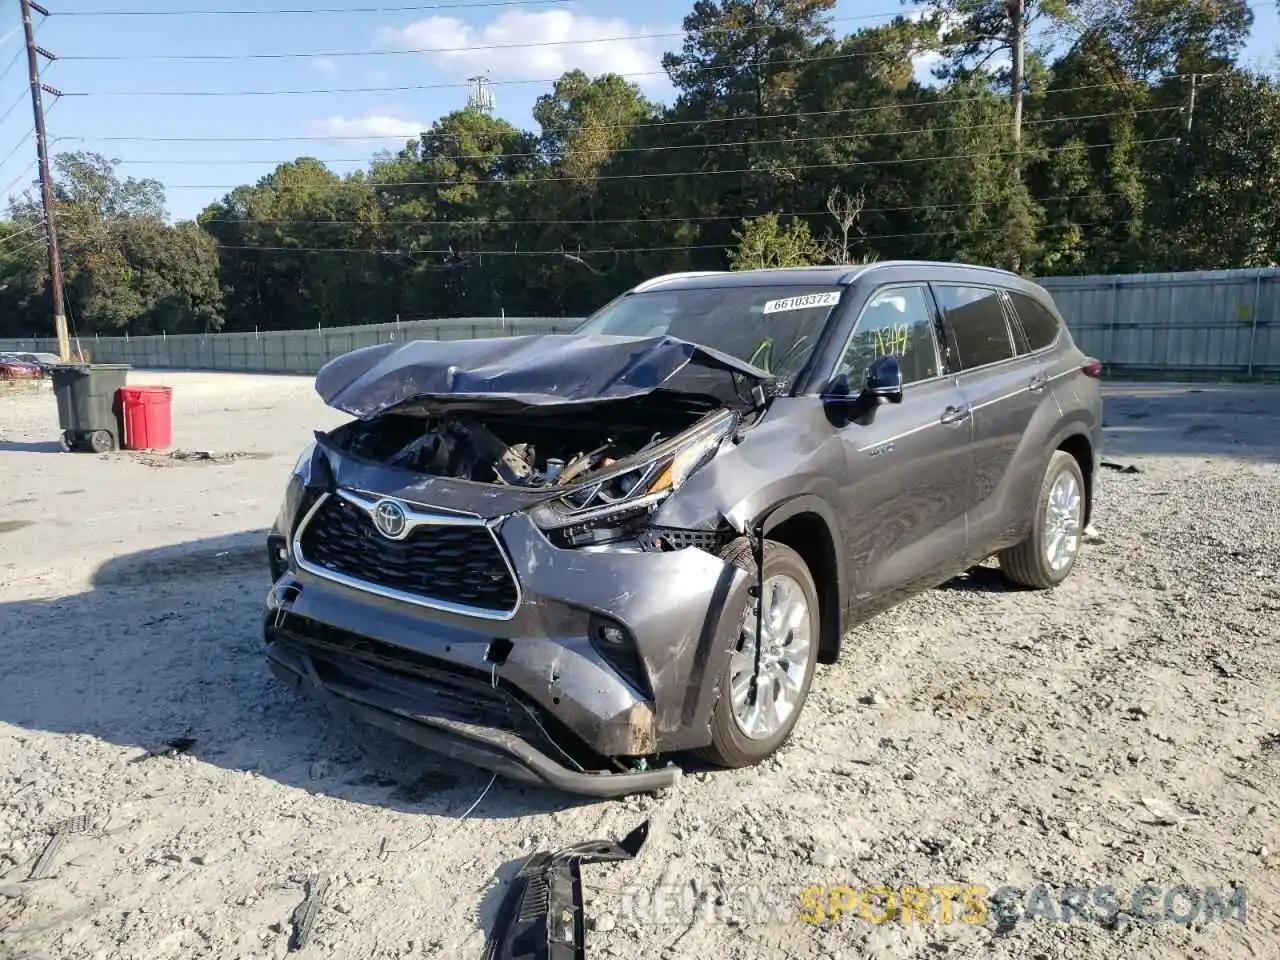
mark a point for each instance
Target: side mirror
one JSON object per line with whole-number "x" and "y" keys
{"x": 884, "y": 379}
{"x": 839, "y": 390}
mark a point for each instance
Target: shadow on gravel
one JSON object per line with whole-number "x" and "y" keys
{"x": 1192, "y": 420}
{"x": 982, "y": 580}
{"x": 168, "y": 644}
{"x": 42, "y": 446}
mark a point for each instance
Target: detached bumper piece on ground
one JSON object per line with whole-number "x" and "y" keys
{"x": 541, "y": 917}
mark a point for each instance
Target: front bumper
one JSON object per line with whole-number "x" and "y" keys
{"x": 531, "y": 695}
{"x": 422, "y": 714}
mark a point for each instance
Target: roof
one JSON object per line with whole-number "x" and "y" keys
{"x": 842, "y": 275}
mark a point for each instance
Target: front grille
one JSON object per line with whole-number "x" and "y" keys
{"x": 462, "y": 566}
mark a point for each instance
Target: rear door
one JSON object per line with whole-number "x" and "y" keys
{"x": 907, "y": 482}
{"x": 1003, "y": 387}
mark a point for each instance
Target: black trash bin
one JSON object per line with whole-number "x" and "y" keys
{"x": 88, "y": 411}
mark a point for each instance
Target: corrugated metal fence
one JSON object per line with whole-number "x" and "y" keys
{"x": 1222, "y": 321}
{"x": 285, "y": 351}
{"x": 1215, "y": 322}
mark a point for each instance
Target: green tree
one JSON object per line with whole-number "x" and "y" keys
{"x": 763, "y": 242}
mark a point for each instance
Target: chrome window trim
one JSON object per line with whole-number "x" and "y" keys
{"x": 415, "y": 518}
{"x": 1008, "y": 320}
{"x": 1016, "y": 317}
{"x": 923, "y": 287}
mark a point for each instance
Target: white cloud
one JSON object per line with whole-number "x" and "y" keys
{"x": 325, "y": 64}
{"x": 595, "y": 47}
{"x": 371, "y": 127}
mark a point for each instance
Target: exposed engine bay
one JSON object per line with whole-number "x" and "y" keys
{"x": 539, "y": 448}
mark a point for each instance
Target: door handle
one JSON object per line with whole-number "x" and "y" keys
{"x": 1037, "y": 383}
{"x": 955, "y": 415}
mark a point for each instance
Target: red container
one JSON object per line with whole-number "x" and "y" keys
{"x": 148, "y": 421}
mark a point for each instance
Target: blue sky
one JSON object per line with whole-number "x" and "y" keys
{"x": 196, "y": 173}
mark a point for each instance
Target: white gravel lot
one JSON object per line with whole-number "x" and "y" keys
{"x": 1123, "y": 730}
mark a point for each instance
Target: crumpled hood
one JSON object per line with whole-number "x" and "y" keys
{"x": 528, "y": 371}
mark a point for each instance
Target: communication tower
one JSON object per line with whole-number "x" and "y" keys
{"x": 481, "y": 97}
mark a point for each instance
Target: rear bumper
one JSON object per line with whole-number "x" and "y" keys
{"x": 429, "y": 716}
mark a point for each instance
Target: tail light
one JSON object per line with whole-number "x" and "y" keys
{"x": 1092, "y": 368}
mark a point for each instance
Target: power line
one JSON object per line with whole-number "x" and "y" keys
{"x": 604, "y": 250}
{"x": 702, "y": 146}
{"x": 22, "y": 142}
{"x": 674, "y": 218}
{"x": 14, "y": 106}
{"x": 14, "y": 182}
{"x": 688, "y": 71}
{"x": 804, "y": 114}
{"x": 400, "y": 88}
{"x": 289, "y": 11}
{"x": 22, "y": 52}
{"x": 34, "y": 225}
{"x": 522, "y": 181}
{"x": 37, "y": 242}
{"x": 523, "y": 45}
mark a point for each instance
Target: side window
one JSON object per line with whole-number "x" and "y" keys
{"x": 1040, "y": 325}
{"x": 979, "y": 325}
{"x": 896, "y": 322}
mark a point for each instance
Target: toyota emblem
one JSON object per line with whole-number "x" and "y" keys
{"x": 390, "y": 520}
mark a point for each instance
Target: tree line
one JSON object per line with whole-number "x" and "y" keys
{"x": 1059, "y": 137}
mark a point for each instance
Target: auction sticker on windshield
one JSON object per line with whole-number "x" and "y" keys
{"x": 803, "y": 303}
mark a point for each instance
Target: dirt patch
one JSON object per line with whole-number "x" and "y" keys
{"x": 176, "y": 457}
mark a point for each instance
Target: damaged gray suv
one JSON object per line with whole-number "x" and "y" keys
{"x": 572, "y": 558}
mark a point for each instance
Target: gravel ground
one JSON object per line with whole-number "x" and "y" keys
{"x": 1122, "y": 730}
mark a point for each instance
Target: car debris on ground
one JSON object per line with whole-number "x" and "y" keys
{"x": 542, "y": 916}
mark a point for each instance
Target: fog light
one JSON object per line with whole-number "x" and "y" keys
{"x": 618, "y": 648}
{"x": 612, "y": 636}
{"x": 277, "y": 557}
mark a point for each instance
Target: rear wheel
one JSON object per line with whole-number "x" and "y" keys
{"x": 1047, "y": 557}
{"x": 759, "y": 703}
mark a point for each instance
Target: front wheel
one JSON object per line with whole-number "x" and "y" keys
{"x": 1047, "y": 557}
{"x": 761, "y": 697}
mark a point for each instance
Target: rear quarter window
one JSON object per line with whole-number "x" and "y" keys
{"x": 1040, "y": 325}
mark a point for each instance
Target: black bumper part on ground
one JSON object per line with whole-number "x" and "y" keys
{"x": 541, "y": 916}
{"x": 374, "y": 697}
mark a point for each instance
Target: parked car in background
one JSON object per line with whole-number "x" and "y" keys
{"x": 566, "y": 558}
{"x": 13, "y": 368}
{"x": 45, "y": 361}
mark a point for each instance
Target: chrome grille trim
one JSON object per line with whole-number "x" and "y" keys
{"x": 416, "y": 518}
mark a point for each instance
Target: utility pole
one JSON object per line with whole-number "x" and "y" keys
{"x": 1191, "y": 104}
{"x": 46, "y": 182}
{"x": 1018, "y": 48}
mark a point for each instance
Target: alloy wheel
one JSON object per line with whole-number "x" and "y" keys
{"x": 786, "y": 636}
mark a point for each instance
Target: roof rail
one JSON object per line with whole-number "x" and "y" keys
{"x": 654, "y": 281}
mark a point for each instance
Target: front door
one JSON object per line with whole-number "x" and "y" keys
{"x": 906, "y": 491}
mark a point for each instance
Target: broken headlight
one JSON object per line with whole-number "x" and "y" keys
{"x": 604, "y": 508}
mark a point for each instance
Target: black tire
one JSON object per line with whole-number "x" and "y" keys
{"x": 68, "y": 441}
{"x": 730, "y": 747}
{"x": 1026, "y": 564}
{"x": 101, "y": 441}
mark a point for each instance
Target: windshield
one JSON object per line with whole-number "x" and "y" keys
{"x": 774, "y": 328}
